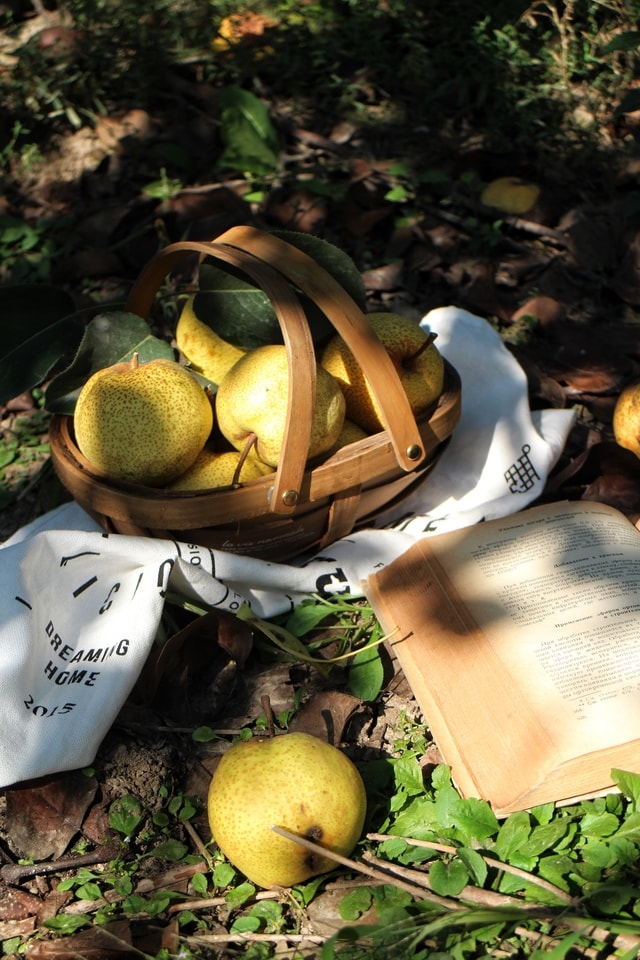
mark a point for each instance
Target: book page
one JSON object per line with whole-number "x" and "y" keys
{"x": 520, "y": 636}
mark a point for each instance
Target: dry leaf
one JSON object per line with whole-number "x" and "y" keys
{"x": 325, "y": 715}
{"x": 43, "y": 816}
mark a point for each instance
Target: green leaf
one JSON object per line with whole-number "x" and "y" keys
{"x": 109, "y": 338}
{"x": 251, "y": 144}
{"x": 223, "y": 874}
{"x": 355, "y": 903}
{"x": 307, "y": 616}
{"x": 448, "y": 879}
{"x": 171, "y": 850}
{"x": 125, "y": 814}
{"x": 408, "y": 775}
{"x": 628, "y": 784}
{"x": 200, "y": 884}
{"x": 366, "y": 674}
{"x": 473, "y": 819}
{"x": 240, "y": 894}
{"x": 629, "y": 40}
{"x": 598, "y": 824}
{"x": 514, "y": 831}
{"x": 37, "y": 332}
{"x": 334, "y": 260}
{"x": 242, "y": 314}
{"x": 475, "y": 864}
{"x": 66, "y": 924}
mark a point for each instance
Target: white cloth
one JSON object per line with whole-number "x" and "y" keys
{"x": 79, "y": 610}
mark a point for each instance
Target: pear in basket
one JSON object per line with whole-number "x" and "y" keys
{"x": 252, "y": 400}
{"x": 416, "y": 358}
{"x": 206, "y": 352}
{"x": 143, "y": 422}
{"x": 214, "y": 469}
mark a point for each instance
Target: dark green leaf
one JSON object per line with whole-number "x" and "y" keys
{"x": 27, "y": 309}
{"x": 236, "y": 310}
{"x": 29, "y": 363}
{"x": 515, "y": 831}
{"x": 630, "y": 40}
{"x": 448, "y": 879}
{"x": 366, "y": 674}
{"x": 109, "y": 338}
{"x": 629, "y": 103}
{"x": 251, "y": 144}
{"x": 334, "y": 260}
{"x": 355, "y": 903}
{"x": 125, "y": 814}
{"x": 171, "y": 850}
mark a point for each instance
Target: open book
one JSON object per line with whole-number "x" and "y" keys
{"x": 520, "y": 639}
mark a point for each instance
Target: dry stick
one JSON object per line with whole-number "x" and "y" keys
{"x": 516, "y": 871}
{"x": 268, "y": 712}
{"x": 376, "y": 873}
{"x": 15, "y": 873}
{"x": 477, "y": 895}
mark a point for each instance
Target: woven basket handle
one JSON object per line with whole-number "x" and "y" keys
{"x": 297, "y": 339}
{"x": 267, "y": 260}
{"x": 350, "y": 322}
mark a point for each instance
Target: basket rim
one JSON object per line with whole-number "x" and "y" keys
{"x": 350, "y": 466}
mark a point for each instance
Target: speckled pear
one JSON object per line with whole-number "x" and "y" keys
{"x": 417, "y": 360}
{"x": 142, "y": 422}
{"x": 253, "y": 399}
{"x": 295, "y": 781}
{"x": 206, "y": 352}
{"x": 212, "y": 470}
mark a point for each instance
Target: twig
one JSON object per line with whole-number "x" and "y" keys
{"x": 515, "y": 871}
{"x": 15, "y": 873}
{"x": 382, "y": 875}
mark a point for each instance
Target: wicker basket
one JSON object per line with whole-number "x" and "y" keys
{"x": 303, "y": 505}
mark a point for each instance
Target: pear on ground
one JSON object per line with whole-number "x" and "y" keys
{"x": 253, "y": 399}
{"x": 294, "y": 781}
{"x": 142, "y": 422}
{"x": 626, "y": 419}
{"x": 418, "y": 362}
{"x": 510, "y": 195}
{"x": 213, "y": 470}
{"x": 206, "y": 352}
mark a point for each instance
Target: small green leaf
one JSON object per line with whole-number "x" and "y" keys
{"x": 125, "y": 815}
{"x": 109, "y": 338}
{"x": 240, "y": 894}
{"x": 203, "y": 735}
{"x": 628, "y": 784}
{"x": 598, "y": 824}
{"x": 223, "y": 874}
{"x": 475, "y": 865}
{"x": 251, "y": 144}
{"x": 408, "y": 775}
{"x": 366, "y": 674}
{"x": 514, "y": 831}
{"x": 355, "y": 903}
{"x": 200, "y": 884}
{"x": 171, "y": 850}
{"x": 249, "y": 924}
{"x": 66, "y": 924}
{"x": 448, "y": 879}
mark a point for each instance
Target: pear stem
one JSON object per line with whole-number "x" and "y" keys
{"x": 135, "y": 362}
{"x": 251, "y": 441}
{"x": 421, "y": 349}
{"x": 268, "y": 712}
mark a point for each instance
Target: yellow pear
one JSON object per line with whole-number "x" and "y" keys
{"x": 294, "y": 781}
{"x": 253, "y": 397}
{"x": 219, "y": 469}
{"x": 510, "y": 195}
{"x": 142, "y": 422}
{"x": 626, "y": 418}
{"x": 206, "y": 352}
{"x": 349, "y": 434}
{"x": 419, "y": 364}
